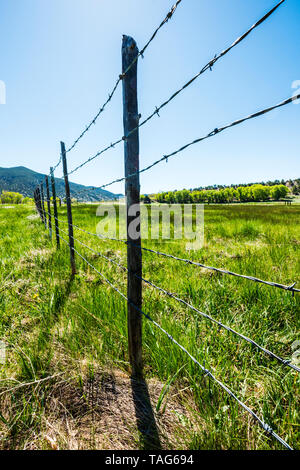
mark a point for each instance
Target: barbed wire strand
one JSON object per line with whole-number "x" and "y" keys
{"x": 225, "y": 271}
{"x": 206, "y": 372}
{"x": 200, "y": 139}
{"x": 211, "y": 134}
{"x": 290, "y": 288}
{"x": 120, "y": 78}
{"x": 178, "y": 299}
{"x": 208, "y": 66}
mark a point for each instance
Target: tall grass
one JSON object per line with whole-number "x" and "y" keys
{"x": 53, "y": 323}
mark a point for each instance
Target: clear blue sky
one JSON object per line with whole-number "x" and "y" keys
{"x": 59, "y": 59}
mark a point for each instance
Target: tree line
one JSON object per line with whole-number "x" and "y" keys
{"x": 10, "y": 197}
{"x": 253, "y": 193}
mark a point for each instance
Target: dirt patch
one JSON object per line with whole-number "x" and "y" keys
{"x": 112, "y": 411}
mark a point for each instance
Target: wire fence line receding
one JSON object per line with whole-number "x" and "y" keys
{"x": 206, "y": 372}
{"x": 135, "y": 278}
{"x": 206, "y": 67}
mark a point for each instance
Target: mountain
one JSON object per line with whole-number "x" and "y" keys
{"x": 22, "y": 180}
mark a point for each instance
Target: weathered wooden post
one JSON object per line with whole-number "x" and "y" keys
{"x": 69, "y": 208}
{"x": 35, "y": 196}
{"x": 132, "y": 193}
{"x": 55, "y": 207}
{"x": 40, "y": 204}
{"x": 48, "y": 206}
{"x": 43, "y": 204}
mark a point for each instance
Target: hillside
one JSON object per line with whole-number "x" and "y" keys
{"x": 23, "y": 180}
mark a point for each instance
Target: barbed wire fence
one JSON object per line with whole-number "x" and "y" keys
{"x": 133, "y": 270}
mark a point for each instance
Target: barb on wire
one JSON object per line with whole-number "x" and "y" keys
{"x": 290, "y": 288}
{"x": 206, "y": 67}
{"x": 220, "y": 324}
{"x": 120, "y": 78}
{"x": 207, "y": 372}
{"x": 200, "y": 139}
{"x": 95, "y": 156}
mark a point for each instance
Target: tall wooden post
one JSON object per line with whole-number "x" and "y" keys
{"x": 69, "y": 208}
{"x": 43, "y": 204}
{"x": 48, "y": 207}
{"x": 55, "y": 207}
{"x": 132, "y": 193}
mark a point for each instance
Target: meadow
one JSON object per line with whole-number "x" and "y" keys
{"x": 65, "y": 380}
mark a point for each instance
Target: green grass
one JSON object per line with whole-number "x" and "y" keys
{"x": 54, "y": 324}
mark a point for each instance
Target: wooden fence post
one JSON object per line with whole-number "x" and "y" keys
{"x": 132, "y": 193}
{"x": 48, "y": 207}
{"x": 69, "y": 208}
{"x": 55, "y": 207}
{"x": 38, "y": 202}
{"x": 43, "y": 204}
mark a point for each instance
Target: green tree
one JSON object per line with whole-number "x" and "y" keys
{"x": 279, "y": 192}
{"x": 27, "y": 200}
{"x": 9, "y": 197}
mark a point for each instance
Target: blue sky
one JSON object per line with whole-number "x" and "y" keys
{"x": 60, "y": 58}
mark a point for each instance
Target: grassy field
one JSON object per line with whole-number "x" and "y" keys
{"x": 65, "y": 382}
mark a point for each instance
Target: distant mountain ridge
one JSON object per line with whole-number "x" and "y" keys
{"x": 24, "y": 181}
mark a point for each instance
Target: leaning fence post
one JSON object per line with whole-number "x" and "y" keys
{"x": 69, "y": 208}
{"x": 48, "y": 207}
{"x": 55, "y": 207}
{"x": 132, "y": 193}
{"x": 43, "y": 204}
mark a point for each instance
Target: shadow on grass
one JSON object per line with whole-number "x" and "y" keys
{"x": 61, "y": 296}
{"x": 146, "y": 424}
